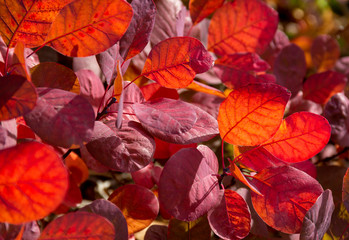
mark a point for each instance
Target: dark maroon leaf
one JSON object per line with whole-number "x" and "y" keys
{"x": 307, "y": 167}
{"x": 196, "y": 191}
{"x": 290, "y": 68}
{"x": 317, "y": 220}
{"x": 91, "y": 162}
{"x": 176, "y": 121}
{"x": 156, "y": 232}
{"x": 61, "y": 118}
{"x": 10, "y": 231}
{"x": 140, "y": 28}
{"x": 324, "y": 52}
{"x": 127, "y": 149}
{"x": 111, "y": 212}
{"x": 345, "y": 190}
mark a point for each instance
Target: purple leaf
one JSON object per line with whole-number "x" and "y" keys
{"x": 290, "y": 68}
{"x": 176, "y": 121}
{"x": 107, "y": 61}
{"x": 127, "y": 149}
{"x": 61, "y": 118}
{"x": 11, "y": 231}
{"x": 196, "y": 190}
{"x": 299, "y": 104}
{"x": 91, "y": 162}
{"x": 138, "y": 33}
{"x": 156, "y": 232}
{"x": 8, "y": 133}
{"x": 143, "y": 176}
{"x": 207, "y": 102}
{"x": 325, "y": 52}
{"x": 317, "y": 220}
{"x": 342, "y": 65}
{"x": 111, "y": 212}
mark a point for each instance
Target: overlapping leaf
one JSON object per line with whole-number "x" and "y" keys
{"x": 320, "y": 87}
{"x": 33, "y": 182}
{"x": 138, "y": 204}
{"x": 28, "y": 21}
{"x": 236, "y": 172}
{"x": 61, "y": 118}
{"x": 300, "y": 136}
{"x": 324, "y": 52}
{"x": 199, "y": 9}
{"x": 79, "y": 225}
{"x": 17, "y": 96}
{"x": 86, "y": 27}
{"x": 176, "y": 121}
{"x": 250, "y": 115}
{"x": 155, "y": 90}
{"x": 242, "y": 26}
{"x": 288, "y": 194}
{"x": 231, "y": 219}
{"x": 174, "y": 62}
{"x": 196, "y": 191}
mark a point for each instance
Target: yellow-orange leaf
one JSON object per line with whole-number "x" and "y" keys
{"x": 200, "y": 87}
{"x": 118, "y": 82}
{"x": 236, "y": 172}
{"x": 252, "y": 114}
{"x": 27, "y": 21}
{"x": 87, "y": 27}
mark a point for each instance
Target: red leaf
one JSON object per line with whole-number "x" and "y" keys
{"x": 231, "y": 219}
{"x": 317, "y": 220}
{"x": 300, "y": 136}
{"x": 290, "y": 68}
{"x": 200, "y": 9}
{"x": 18, "y": 96}
{"x": 174, "y": 62}
{"x": 138, "y": 33}
{"x": 288, "y": 194}
{"x": 138, "y": 204}
{"x": 79, "y": 225}
{"x": 143, "y": 177}
{"x": 196, "y": 191}
{"x": 87, "y": 27}
{"x": 33, "y": 182}
{"x": 320, "y": 87}
{"x": 176, "y": 121}
{"x": 250, "y": 115}
{"x": 242, "y": 26}
{"x": 61, "y": 118}
{"x": 154, "y": 90}
{"x": 325, "y": 52}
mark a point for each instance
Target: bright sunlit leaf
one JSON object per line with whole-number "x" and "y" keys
{"x": 33, "y": 182}
{"x": 199, "y": 9}
{"x": 236, "y": 172}
{"x": 252, "y": 114}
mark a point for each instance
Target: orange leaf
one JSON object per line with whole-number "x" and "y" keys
{"x": 118, "y": 82}
{"x": 27, "y": 21}
{"x": 200, "y": 87}
{"x": 77, "y": 167}
{"x": 87, "y": 27}
{"x": 300, "y": 137}
{"x": 18, "y": 62}
{"x": 17, "y": 96}
{"x": 325, "y": 52}
{"x": 199, "y": 9}
{"x": 174, "y": 62}
{"x": 252, "y": 114}
{"x": 242, "y": 26}
{"x": 33, "y": 182}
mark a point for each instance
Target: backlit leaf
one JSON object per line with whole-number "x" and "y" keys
{"x": 54, "y": 75}
{"x": 87, "y": 27}
{"x": 300, "y": 136}
{"x": 17, "y": 62}
{"x": 138, "y": 33}
{"x": 236, "y": 172}
{"x": 242, "y": 26}
{"x": 33, "y": 182}
{"x": 252, "y": 114}
{"x": 199, "y": 9}
{"x": 155, "y": 90}
{"x": 318, "y": 218}
{"x": 118, "y": 82}
{"x": 17, "y": 96}
{"x": 79, "y": 225}
{"x": 198, "y": 229}
{"x": 138, "y": 204}
{"x": 174, "y": 62}
{"x": 324, "y": 52}
{"x": 176, "y": 121}
{"x": 27, "y": 21}
{"x": 194, "y": 193}
{"x": 231, "y": 219}
{"x": 200, "y": 87}
{"x": 320, "y": 87}
{"x": 288, "y": 194}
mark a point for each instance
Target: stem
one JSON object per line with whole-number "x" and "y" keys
{"x": 333, "y": 156}
{"x": 36, "y": 50}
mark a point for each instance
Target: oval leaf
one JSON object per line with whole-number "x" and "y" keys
{"x": 61, "y": 118}
{"x": 87, "y": 27}
{"x": 194, "y": 193}
{"x": 79, "y": 225}
{"x": 174, "y": 62}
{"x": 288, "y": 194}
{"x": 252, "y": 114}
{"x": 138, "y": 204}
{"x": 242, "y": 26}
{"x": 33, "y": 182}
{"x": 199, "y": 9}
{"x": 231, "y": 219}
{"x": 301, "y": 136}
{"x": 325, "y": 52}
{"x": 17, "y": 96}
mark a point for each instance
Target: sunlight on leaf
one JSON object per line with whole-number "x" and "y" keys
{"x": 200, "y": 9}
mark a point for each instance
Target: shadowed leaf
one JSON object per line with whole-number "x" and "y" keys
{"x": 33, "y": 182}
{"x": 156, "y": 232}
{"x": 199, "y": 9}
{"x": 345, "y": 190}
{"x": 198, "y": 229}
{"x": 325, "y": 52}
